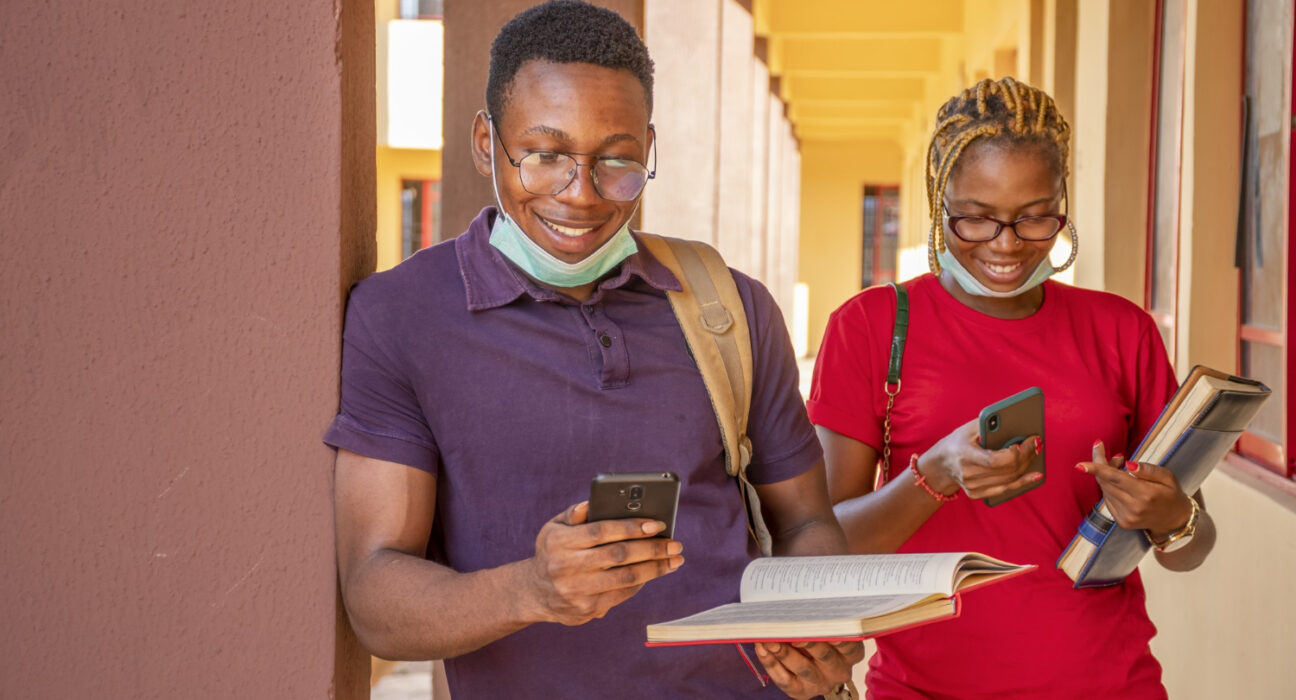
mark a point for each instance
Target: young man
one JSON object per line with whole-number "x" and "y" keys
{"x": 486, "y": 380}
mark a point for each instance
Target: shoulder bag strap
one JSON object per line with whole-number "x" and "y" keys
{"x": 710, "y": 312}
{"x": 892, "y": 385}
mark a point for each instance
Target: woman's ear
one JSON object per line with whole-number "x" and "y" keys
{"x": 481, "y": 143}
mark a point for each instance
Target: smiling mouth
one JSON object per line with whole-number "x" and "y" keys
{"x": 1002, "y": 269}
{"x": 568, "y": 231}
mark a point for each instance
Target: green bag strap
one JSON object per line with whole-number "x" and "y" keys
{"x": 898, "y": 334}
{"x": 892, "y": 386}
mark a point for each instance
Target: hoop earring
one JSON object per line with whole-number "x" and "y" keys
{"x": 1075, "y": 248}
{"x": 932, "y": 263}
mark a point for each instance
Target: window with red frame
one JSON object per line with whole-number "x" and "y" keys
{"x": 1264, "y": 251}
{"x": 881, "y": 234}
{"x": 420, "y": 215}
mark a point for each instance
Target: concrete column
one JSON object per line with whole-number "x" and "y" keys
{"x": 469, "y": 29}
{"x": 684, "y": 39}
{"x": 186, "y": 193}
{"x": 1111, "y": 142}
{"x": 790, "y": 221}
{"x": 735, "y": 166}
{"x": 760, "y": 154}
{"x": 1059, "y": 60}
{"x": 774, "y": 190}
{"x": 1059, "y": 70}
{"x": 1208, "y": 281}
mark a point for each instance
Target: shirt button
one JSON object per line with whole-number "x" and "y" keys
{"x": 605, "y": 340}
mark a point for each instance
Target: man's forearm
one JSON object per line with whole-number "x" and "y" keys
{"x": 407, "y": 608}
{"x": 822, "y": 535}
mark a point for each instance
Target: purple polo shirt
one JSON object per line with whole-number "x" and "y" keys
{"x": 514, "y": 396}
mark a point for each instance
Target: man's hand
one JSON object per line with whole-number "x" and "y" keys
{"x": 809, "y": 669}
{"x": 581, "y": 570}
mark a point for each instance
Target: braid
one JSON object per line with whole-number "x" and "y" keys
{"x": 992, "y": 110}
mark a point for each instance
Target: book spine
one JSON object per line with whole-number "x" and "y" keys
{"x": 1096, "y": 525}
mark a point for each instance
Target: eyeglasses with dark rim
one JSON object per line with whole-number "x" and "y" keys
{"x": 548, "y": 173}
{"x": 980, "y": 229}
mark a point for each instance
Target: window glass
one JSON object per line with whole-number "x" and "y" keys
{"x": 1263, "y": 235}
{"x": 1165, "y": 220}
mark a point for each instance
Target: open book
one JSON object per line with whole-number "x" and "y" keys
{"x": 1195, "y": 430}
{"x": 843, "y": 597}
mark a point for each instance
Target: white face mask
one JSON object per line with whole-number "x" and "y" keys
{"x": 509, "y": 239}
{"x": 973, "y": 286}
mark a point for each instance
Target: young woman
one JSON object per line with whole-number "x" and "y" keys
{"x": 985, "y": 324}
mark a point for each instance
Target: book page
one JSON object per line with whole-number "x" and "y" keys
{"x": 779, "y": 578}
{"x": 768, "y": 612}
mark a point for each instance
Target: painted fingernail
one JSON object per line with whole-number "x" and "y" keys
{"x": 1097, "y": 444}
{"x": 654, "y": 527}
{"x": 1081, "y": 467}
{"x": 1037, "y": 476}
{"x": 1132, "y": 466}
{"x": 1118, "y": 456}
{"x": 1039, "y": 444}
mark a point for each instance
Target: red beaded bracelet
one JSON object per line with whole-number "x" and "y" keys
{"x": 922, "y": 481}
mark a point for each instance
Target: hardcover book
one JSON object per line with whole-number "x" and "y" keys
{"x": 837, "y": 598}
{"x": 1196, "y": 429}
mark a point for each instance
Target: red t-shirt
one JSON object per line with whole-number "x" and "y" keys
{"x": 1103, "y": 368}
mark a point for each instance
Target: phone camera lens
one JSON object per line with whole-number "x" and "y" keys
{"x": 636, "y": 492}
{"x": 633, "y": 506}
{"x": 993, "y": 423}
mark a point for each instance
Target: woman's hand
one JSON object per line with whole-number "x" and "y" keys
{"x": 959, "y": 462}
{"x": 1140, "y": 496}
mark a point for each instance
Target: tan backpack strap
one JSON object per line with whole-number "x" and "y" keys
{"x": 710, "y": 312}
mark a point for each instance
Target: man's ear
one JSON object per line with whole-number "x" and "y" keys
{"x": 481, "y": 143}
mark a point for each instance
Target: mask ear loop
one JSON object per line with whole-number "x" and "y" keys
{"x": 490, "y": 124}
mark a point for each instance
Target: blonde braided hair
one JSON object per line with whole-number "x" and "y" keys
{"x": 992, "y": 110}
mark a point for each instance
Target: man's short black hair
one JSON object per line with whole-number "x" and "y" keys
{"x": 565, "y": 31}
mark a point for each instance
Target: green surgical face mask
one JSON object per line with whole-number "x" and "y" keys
{"x": 509, "y": 239}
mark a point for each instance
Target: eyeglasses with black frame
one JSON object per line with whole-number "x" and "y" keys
{"x": 548, "y": 173}
{"x": 981, "y": 229}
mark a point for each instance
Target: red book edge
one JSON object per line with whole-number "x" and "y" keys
{"x": 958, "y": 610}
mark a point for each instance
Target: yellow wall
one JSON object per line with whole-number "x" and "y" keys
{"x": 394, "y": 165}
{"x": 833, "y": 175}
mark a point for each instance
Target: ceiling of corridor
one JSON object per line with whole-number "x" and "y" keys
{"x": 855, "y": 69}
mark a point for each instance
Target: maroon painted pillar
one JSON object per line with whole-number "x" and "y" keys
{"x": 186, "y": 191}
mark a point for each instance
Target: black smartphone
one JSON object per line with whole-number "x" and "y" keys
{"x": 1009, "y": 422}
{"x": 653, "y": 495}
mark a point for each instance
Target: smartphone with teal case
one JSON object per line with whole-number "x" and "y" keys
{"x": 1012, "y": 421}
